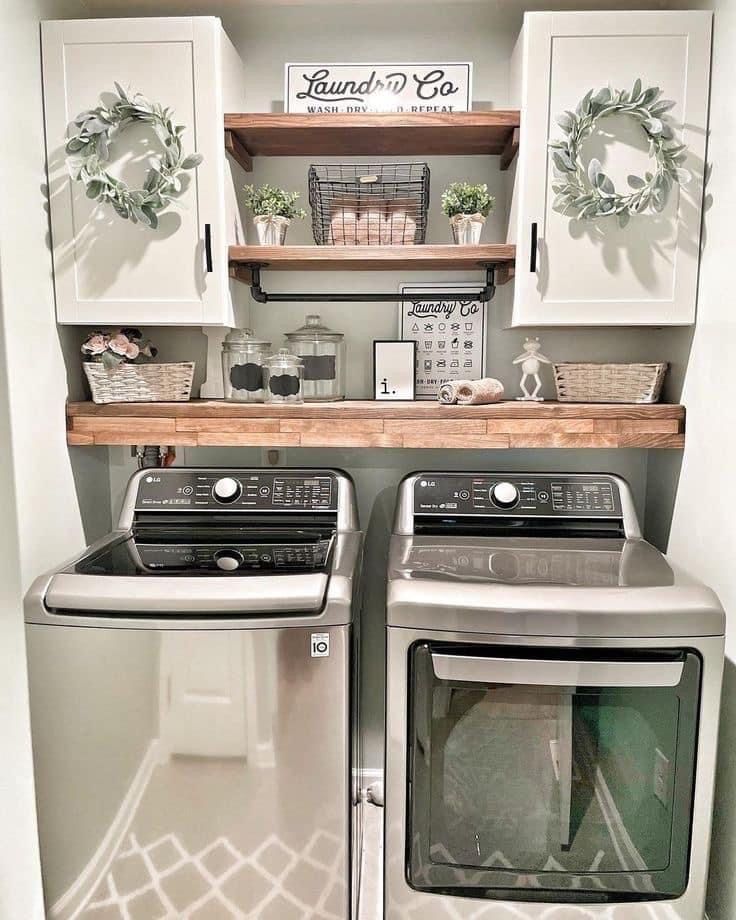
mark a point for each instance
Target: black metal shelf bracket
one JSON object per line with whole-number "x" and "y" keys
{"x": 484, "y": 294}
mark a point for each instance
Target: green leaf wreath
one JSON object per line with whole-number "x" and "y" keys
{"x": 589, "y": 193}
{"x": 88, "y": 151}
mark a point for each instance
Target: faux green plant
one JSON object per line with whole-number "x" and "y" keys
{"x": 88, "y": 149}
{"x": 586, "y": 193}
{"x": 464, "y": 198}
{"x": 270, "y": 201}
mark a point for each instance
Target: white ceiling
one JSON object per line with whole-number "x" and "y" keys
{"x": 218, "y": 7}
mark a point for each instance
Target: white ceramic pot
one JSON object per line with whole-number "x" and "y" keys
{"x": 467, "y": 228}
{"x": 271, "y": 230}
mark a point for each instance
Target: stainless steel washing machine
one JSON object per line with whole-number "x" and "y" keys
{"x": 191, "y": 679}
{"x": 552, "y": 706}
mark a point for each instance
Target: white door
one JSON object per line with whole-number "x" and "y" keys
{"x": 203, "y": 696}
{"x": 592, "y": 272}
{"x": 106, "y": 269}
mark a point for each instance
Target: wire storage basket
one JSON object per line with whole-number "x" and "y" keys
{"x": 140, "y": 382}
{"x": 609, "y": 383}
{"x": 370, "y": 204}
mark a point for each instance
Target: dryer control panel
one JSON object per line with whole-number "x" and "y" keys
{"x": 517, "y": 495}
{"x": 174, "y": 490}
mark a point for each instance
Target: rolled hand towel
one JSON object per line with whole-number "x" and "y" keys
{"x": 400, "y": 224}
{"x": 479, "y": 392}
{"x": 344, "y": 226}
{"x": 448, "y": 391}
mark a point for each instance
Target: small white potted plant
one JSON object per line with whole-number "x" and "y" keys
{"x": 273, "y": 210}
{"x": 467, "y": 206}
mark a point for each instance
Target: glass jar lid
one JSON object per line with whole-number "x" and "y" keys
{"x": 282, "y": 358}
{"x": 243, "y": 340}
{"x": 314, "y": 330}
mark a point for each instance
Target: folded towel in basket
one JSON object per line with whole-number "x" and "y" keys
{"x": 471, "y": 392}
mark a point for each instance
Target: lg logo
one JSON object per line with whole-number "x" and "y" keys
{"x": 320, "y": 645}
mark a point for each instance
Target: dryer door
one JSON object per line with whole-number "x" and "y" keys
{"x": 562, "y": 776}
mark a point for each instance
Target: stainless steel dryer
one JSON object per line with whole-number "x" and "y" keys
{"x": 190, "y": 681}
{"x": 552, "y": 706}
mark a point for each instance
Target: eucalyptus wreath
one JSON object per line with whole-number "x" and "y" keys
{"x": 89, "y": 150}
{"x": 589, "y": 193}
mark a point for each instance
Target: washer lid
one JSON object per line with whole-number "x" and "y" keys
{"x": 211, "y": 552}
{"x": 275, "y": 594}
{"x": 545, "y": 588}
{"x": 583, "y": 563}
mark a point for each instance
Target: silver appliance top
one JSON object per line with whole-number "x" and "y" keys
{"x": 255, "y": 543}
{"x": 535, "y": 554}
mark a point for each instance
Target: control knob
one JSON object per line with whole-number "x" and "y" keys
{"x": 228, "y": 560}
{"x": 504, "y": 495}
{"x": 227, "y": 490}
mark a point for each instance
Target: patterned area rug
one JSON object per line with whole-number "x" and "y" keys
{"x": 161, "y": 880}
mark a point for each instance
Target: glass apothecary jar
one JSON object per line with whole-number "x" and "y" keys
{"x": 243, "y": 356}
{"x": 323, "y": 352}
{"x": 283, "y": 378}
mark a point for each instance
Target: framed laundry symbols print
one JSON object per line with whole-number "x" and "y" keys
{"x": 450, "y": 336}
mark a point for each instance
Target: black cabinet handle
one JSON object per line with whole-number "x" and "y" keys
{"x": 208, "y": 247}
{"x": 533, "y": 254}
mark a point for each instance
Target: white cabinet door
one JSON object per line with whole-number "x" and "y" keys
{"x": 106, "y": 269}
{"x": 591, "y": 272}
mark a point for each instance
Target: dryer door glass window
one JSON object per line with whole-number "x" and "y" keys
{"x": 563, "y": 776}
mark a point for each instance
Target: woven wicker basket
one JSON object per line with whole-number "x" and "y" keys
{"x": 609, "y": 383}
{"x": 140, "y": 382}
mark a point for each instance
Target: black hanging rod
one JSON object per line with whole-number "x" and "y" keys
{"x": 484, "y": 294}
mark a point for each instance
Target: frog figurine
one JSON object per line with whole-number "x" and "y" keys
{"x": 531, "y": 360}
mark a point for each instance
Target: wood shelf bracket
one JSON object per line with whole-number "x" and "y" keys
{"x": 510, "y": 150}
{"x": 484, "y": 294}
{"x": 238, "y": 151}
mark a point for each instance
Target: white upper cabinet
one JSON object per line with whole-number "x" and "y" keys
{"x": 594, "y": 272}
{"x": 108, "y": 270}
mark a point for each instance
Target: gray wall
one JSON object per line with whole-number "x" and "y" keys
{"x": 697, "y": 497}
{"x": 266, "y": 37}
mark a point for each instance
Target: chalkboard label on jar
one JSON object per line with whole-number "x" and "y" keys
{"x": 247, "y": 377}
{"x": 319, "y": 367}
{"x": 284, "y": 384}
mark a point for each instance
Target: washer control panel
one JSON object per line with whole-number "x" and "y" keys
{"x": 517, "y": 495}
{"x": 241, "y": 490}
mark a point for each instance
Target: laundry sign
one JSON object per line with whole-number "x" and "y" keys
{"x": 335, "y": 88}
{"x": 450, "y": 336}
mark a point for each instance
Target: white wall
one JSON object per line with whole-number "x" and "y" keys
{"x": 41, "y": 517}
{"x": 703, "y": 532}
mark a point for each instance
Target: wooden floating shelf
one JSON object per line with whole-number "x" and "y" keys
{"x": 364, "y": 423}
{"x": 373, "y": 258}
{"x": 373, "y": 135}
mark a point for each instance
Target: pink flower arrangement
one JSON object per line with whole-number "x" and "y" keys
{"x": 126, "y": 345}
